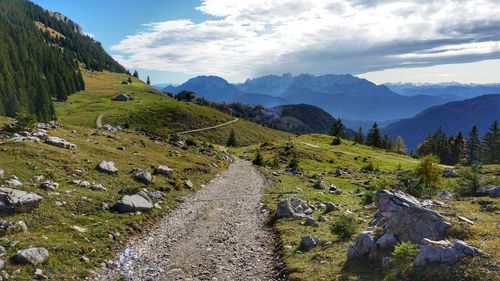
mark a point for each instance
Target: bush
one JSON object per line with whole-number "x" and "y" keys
{"x": 258, "y": 160}
{"x": 174, "y": 138}
{"x": 191, "y": 142}
{"x": 408, "y": 183}
{"x": 336, "y": 141}
{"x": 24, "y": 122}
{"x": 368, "y": 198}
{"x": 471, "y": 178}
{"x": 402, "y": 261}
{"x": 294, "y": 163}
{"x": 369, "y": 167}
{"x": 344, "y": 227}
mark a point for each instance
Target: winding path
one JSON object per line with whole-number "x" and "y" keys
{"x": 208, "y": 128}
{"x": 206, "y": 238}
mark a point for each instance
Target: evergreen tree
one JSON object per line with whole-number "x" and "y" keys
{"x": 231, "y": 141}
{"x": 148, "y": 81}
{"x": 386, "y": 142}
{"x": 359, "y": 137}
{"x": 459, "y": 150}
{"x": 399, "y": 146}
{"x": 129, "y": 80}
{"x": 136, "y": 74}
{"x": 490, "y": 149}
{"x": 473, "y": 146}
{"x": 337, "y": 129}
{"x": 373, "y": 138}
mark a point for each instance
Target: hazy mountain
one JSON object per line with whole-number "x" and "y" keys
{"x": 452, "y": 117}
{"x": 451, "y": 90}
{"x": 344, "y": 95}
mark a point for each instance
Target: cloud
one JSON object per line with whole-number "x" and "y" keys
{"x": 254, "y": 37}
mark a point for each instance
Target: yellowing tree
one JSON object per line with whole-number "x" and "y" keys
{"x": 429, "y": 170}
{"x": 399, "y": 146}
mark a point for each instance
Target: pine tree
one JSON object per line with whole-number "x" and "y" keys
{"x": 459, "y": 150}
{"x": 129, "y": 80}
{"x": 337, "y": 129}
{"x": 136, "y": 74}
{"x": 399, "y": 146}
{"x": 148, "y": 81}
{"x": 473, "y": 146}
{"x": 490, "y": 148}
{"x": 231, "y": 141}
{"x": 359, "y": 137}
{"x": 386, "y": 142}
{"x": 373, "y": 138}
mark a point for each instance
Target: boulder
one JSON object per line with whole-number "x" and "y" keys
{"x": 292, "y": 208}
{"x": 407, "y": 219}
{"x": 162, "y": 170}
{"x": 59, "y": 142}
{"x": 444, "y": 252}
{"x": 2, "y": 173}
{"x": 133, "y": 203}
{"x": 387, "y": 241}
{"x": 309, "y": 242}
{"x": 13, "y": 182}
{"x": 50, "y": 185}
{"x": 107, "y": 167}
{"x": 494, "y": 192}
{"x": 97, "y": 186}
{"x": 17, "y": 201}
{"x": 143, "y": 176}
{"x": 362, "y": 245}
{"x": 330, "y": 207}
{"x": 32, "y": 256}
{"x": 310, "y": 222}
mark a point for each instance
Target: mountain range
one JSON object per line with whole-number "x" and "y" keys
{"x": 452, "y": 117}
{"x": 455, "y": 91}
{"x": 344, "y": 95}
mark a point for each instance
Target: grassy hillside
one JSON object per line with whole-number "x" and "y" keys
{"x": 53, "y": 227}
{"x": 152, "y": 111}
{"x": 317, "y": 157}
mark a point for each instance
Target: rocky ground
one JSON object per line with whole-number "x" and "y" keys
{"x": 215, "y": 234}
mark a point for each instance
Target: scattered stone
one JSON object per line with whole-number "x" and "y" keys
{"x": 494, "y": 192}
{"x": 330, "y": 207}
{"x": 97, "y": 186}
{"x": 13, "y": 182}
{"x": 444, "y": 252}
{"x": 2, "y": 173}
{"x": 292, "y": 208}
{"x": 320, "y": 206}
{"x": 466, "y": 220}
{"x": 310, "y": 222}
{"x": 122, "y": 148}
{"x": 17, "y": 201}
{"x": 162, "y": 170}
{"x": 59, "y": 142}
{"x": 32, "y": 256}
{"x": 319, "y": 184}
{"x": 309, "y": 242}
{"x": 50, "y": 185}
{"x": 39, "y": 275}
{"x": 188, "y": 184}
{"x": 38, "y": 178}
{"x": 341, "y": 171}
{"x": 141, "y": 175}
{"x": 107, "y": 167}
{"x": 79, "y": 228}
{"x": 22, "y": 225}
{"x": 133, "y": 203}
{"x": 450, "y": 174}
{"x": 445, "y": 195}
{"x": 276, "y": 174}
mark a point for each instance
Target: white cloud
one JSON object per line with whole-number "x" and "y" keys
{"x": 255, "y": 37}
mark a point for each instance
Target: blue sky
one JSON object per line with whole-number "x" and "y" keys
{"x": 383, "y": 40}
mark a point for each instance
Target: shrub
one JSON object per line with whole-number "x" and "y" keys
{"x": 402, "y": 261}
{"x": 258, "y": 160}
{"x": 471, "y": 178}
{"x": 336, "y": 141}
{"x": 294, "y": 163}
{"x": 174, "y": 137}
{"x": 429, "y": 169}
{"x": 275, "y": 163}
{"x": 408, "y": 183}
{"x": 319, "y": 184}
{"x": 24, "y": 122}
{"x": 344, "y": 227}
{"x": 368, "y": 198}
{"x": 369, "y": 167}
{"x": 231, "y": 140}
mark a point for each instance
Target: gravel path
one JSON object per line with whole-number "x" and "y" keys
{"x": 205, "y": 239}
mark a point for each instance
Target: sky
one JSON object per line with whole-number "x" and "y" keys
{"x": 421, "y": 41}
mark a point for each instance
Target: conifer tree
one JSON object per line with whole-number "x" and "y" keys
{"x": 337, "y": 129}
{"x": 473, "y": 146}
{"x": 231, "y": 141}
{"x": 148, "y": 81}
{"x": 490, "y": 148}
{"x": 129, "y": 80}
{"x": 386, "y": 142}
{"x": 373, "y": 138}
{"x": 136, "y": 74}
{"x": 399, "y": 146}
{"x": 359, "y": 137}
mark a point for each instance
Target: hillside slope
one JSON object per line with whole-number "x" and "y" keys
{"x": 41, "y": 56}
{"x": 453, "y": 117}
{"x": 152, "y": 111}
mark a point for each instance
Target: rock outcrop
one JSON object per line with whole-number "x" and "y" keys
{"x": 17, "y": 201}
{"x": 444, "y": 252}
{"x": 107, "y": 167}
{"x": 134, "y": 203}
{"x": 293, "y": 208}
{"x": 162, "y": 170}
{"x": 59, "y": 142}
{"x": 32, "y": 256}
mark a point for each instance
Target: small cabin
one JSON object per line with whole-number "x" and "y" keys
{"x": 122, "y": 97}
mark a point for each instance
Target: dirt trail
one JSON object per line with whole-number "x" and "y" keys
{"x": 206, "y": 239}
{"x": 208, "y": 128}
